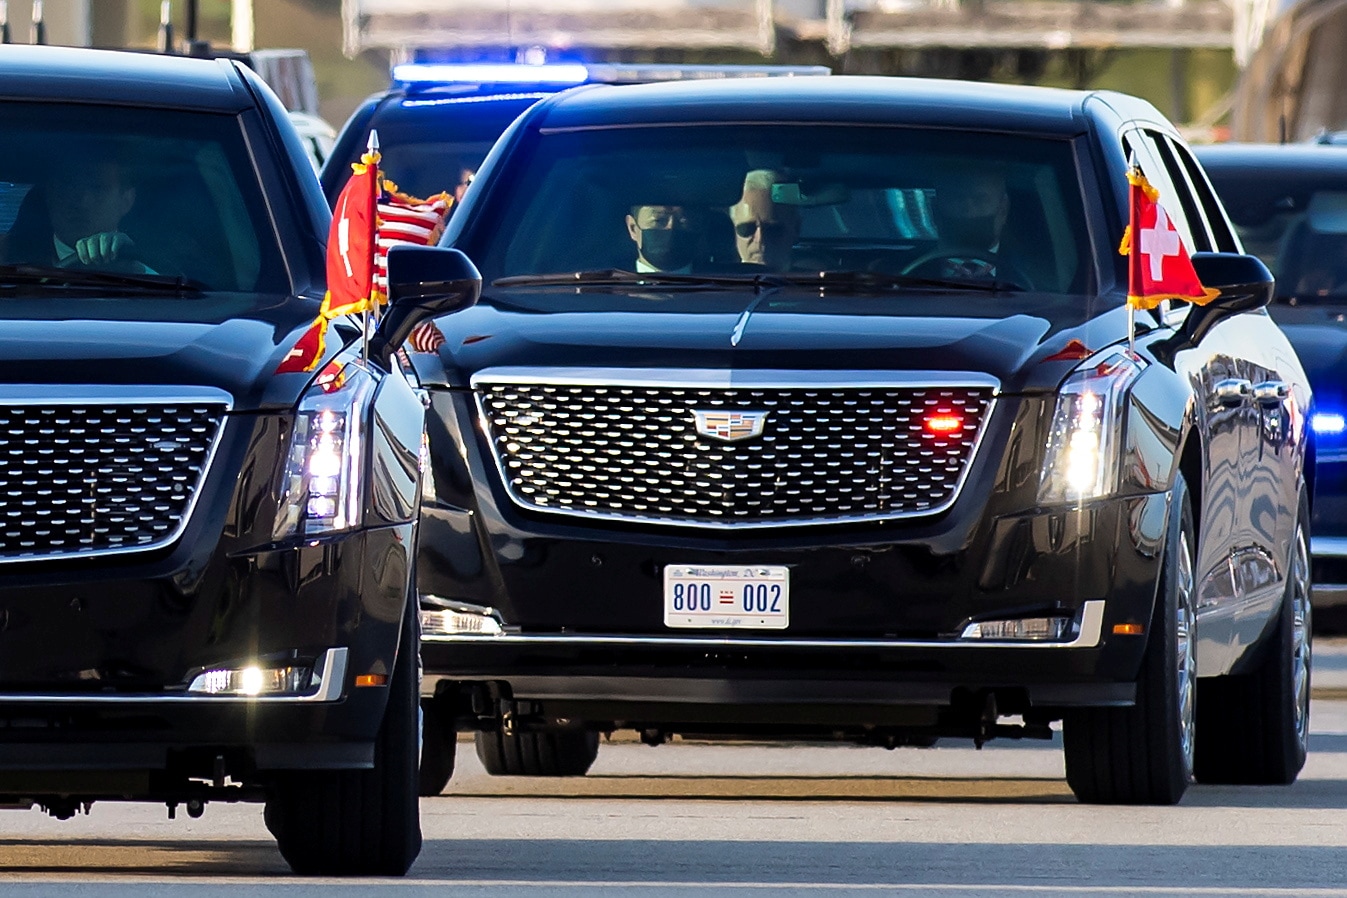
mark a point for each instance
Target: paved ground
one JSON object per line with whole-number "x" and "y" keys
{"x": 691, "y": 820}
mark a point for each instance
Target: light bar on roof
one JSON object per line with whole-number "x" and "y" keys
{"x": 431, "y": 73}
{"x": 623, "y": 73}
{"x": 489, "y": 73}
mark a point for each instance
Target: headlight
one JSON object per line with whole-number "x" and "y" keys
{"x": 323, "y": 487}
{"x": 1086, "y": 436}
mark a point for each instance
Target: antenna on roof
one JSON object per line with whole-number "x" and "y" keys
{"x": 39, "y": 33}
{"x": 4, "y": 21}
{"x": 166, "y": 27}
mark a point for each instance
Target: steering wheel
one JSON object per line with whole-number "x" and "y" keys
{"x": 123, "y": 265}
{"x": 932, "y": 264}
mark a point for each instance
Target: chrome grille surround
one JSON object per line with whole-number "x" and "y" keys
{"x": 102, "y": 470}
{"x": 621, "y": 445}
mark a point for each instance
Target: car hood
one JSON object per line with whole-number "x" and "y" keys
{"x": 1010, "y": 337}
{"x": 232, "y": 342}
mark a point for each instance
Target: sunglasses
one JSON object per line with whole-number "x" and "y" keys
{"x": 746, "y": 229}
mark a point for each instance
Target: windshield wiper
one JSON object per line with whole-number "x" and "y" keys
{"x": 884, "y": 280}
{"x": 601, "y": 277}
{"x": 55, "y": 277}
{"x": 857, "y": 280}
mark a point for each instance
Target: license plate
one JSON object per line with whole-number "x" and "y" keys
{"x": 737, "y": 598}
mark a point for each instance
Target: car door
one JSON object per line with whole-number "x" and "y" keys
{"x": 1273, "y": 462}
{"x": 1224, "y": 418}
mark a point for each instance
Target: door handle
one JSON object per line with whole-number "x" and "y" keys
{"x": 1233, "y": 392}
{"x": 1271, "y": 393}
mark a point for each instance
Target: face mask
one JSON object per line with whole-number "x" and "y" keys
{"x": 667, "y": 248}
{"x": 978, "y": 232}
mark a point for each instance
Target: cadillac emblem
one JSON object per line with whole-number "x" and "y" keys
{"x": 729, "y": 426}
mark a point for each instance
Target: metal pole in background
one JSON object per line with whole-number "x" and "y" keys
{"x": 191, "y": 21}
{"x": 4, "y": 21}
{"x": 39, "y": 33}
{"x": 241, "y": 25}
{"x": 166, "y": 27}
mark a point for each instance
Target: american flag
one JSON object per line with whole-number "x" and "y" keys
{"x": 406, "y": 219}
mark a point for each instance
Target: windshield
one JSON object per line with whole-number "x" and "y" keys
{"x": 430, "y": 144}
{"x": 1299, "y": 230}
{"x": 159, "y": 197}
{"x": 754, "y": 199}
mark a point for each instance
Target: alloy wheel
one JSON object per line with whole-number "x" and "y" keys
{"x": 1185, "y": 673}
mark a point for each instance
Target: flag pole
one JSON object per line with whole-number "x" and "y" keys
{"x": 1131, "y": 235}
{"x": 372, "y": 150}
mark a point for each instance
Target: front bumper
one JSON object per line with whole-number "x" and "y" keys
{"x": 95, "y": 664}
{"x": 663, "y": 681}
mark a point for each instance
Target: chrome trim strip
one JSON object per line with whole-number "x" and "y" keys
{"x": 700, "y": 378}
{"x": 1088, "y": 636}
{"x": 86, "y": 394}
{"x": 109, "y": 394}
{"x": 1328, "y": 546}
{"x": 732, "y": 378}
{"x": 330, "y": 671}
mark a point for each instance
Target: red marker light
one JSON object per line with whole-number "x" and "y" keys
{"x": 943, "y": 424}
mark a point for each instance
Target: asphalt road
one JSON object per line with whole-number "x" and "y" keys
{"x": 689, "y": 819}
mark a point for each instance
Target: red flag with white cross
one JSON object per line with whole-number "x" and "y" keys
{"x": 1158, "y": 266}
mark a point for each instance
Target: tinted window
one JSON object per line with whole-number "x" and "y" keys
{"x": 178, "y": 187}
{"x": 850, "y": 198}
{"x": 432, "y": 144}
{"x": 1297, "y": 226}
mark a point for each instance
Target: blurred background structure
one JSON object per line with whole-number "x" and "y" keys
{"x": 1260, "y": 67}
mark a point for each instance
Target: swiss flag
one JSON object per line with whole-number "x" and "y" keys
{"x": 350, "y": 262}
{"x": 1158, "y": 266}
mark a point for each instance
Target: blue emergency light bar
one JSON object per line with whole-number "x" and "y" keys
{"x": 420, "y": 73}
{"x": 431, "y": 74}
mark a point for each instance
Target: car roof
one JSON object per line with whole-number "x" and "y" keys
{"x": 850, "y": 99}
{"x": 119, "y": 76}
{"x": 1281, "y": 158}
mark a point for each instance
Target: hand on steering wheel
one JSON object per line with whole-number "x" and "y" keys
{"x": 101, "y": 250}
{"x": 985, "y": 265}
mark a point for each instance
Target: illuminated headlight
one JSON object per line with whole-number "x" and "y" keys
{"x": 1328, "y": 423}
{"x": 251, "y": 681}
{"x": 1085, "y": 439}
{"x": 451, "y": 618}
{"x": 1024, "y": 629}
{"x": 322, "y": 490}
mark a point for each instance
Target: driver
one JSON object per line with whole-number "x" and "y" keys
{"x": 88, "y": 194}
{"x": 970, "y": 212}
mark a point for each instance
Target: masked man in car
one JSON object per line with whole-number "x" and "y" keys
{"x": 665, "y": 238}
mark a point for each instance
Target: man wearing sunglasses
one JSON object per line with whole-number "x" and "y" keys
{"x": 764, "y": 231}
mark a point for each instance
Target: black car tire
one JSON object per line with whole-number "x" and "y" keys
{"x": 1144, "y": 754}
{"x": 439, "y": 746}
{"x": 560, "y": 753}
{"x": 358, "y": 822}
{"x": 1253, "y": 728}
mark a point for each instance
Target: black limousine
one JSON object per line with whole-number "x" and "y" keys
{"x": 806, "y": 409}
{"x": 206, "y": 566}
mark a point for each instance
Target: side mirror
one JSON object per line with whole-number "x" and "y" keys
{"x": 1243, "y": 282}
{"x": 423, "y": 282}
